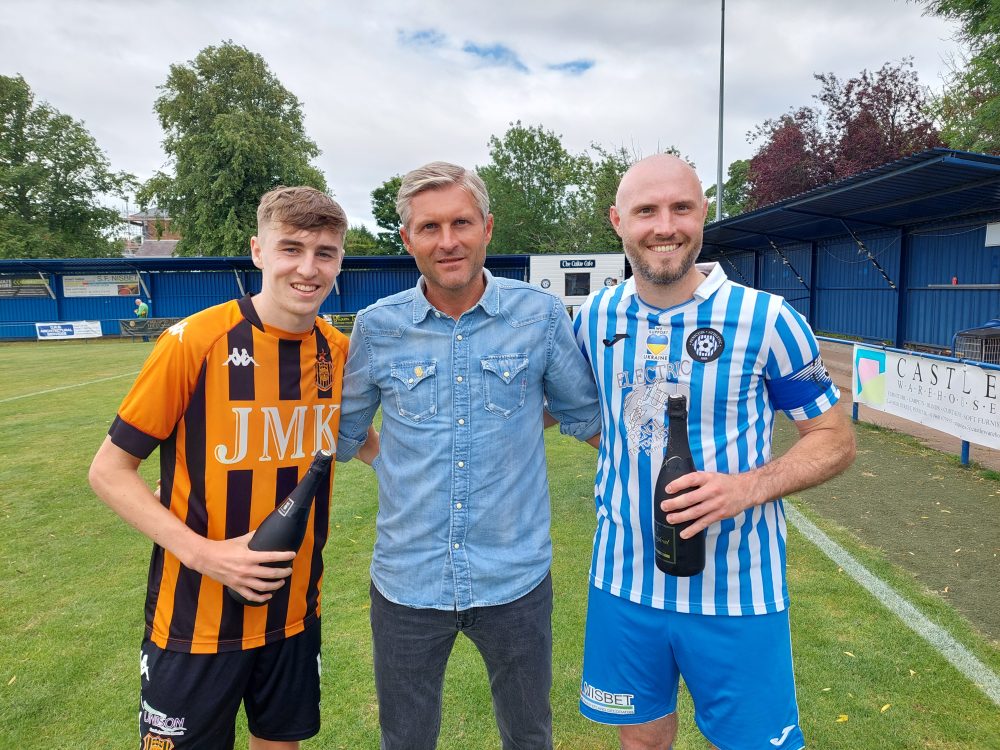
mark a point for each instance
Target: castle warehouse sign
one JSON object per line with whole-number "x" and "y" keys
{"x": 952, "y": 396}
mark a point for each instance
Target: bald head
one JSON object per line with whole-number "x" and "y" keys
{"x": 659, "y": 213}
{"x": 657, "y": 169}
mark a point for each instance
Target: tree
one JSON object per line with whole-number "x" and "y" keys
{"x": 793, "y": 159}
{"x": 969, "y": 106}
{"x": 360, "y": 241}
{"x": 862, "y": 123}
{"x": 384, "y": 211}
{"x": 533, "y": 183}
{"x": 876, "y": 118}
{"x": 601, "y": 175}
{"x": 52, "y": 178}
{"x": 233, "y": 132}
{"x": 735, "y": 192}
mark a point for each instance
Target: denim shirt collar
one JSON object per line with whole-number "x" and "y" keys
{"x": 490, "y": 301}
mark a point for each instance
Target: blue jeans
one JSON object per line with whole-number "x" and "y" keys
{"x": 411, "y": 649}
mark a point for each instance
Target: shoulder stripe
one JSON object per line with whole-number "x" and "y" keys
{"x": 239, "y": 341}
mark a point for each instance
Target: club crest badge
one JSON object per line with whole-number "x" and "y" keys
{"x": 705, "y": 345}
{"x": 324, "y": 372}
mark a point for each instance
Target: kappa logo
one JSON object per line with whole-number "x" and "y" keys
{"x": 240, "y": 358}
{"x": 144, "y": 666}
{"x": 177, "y": 329}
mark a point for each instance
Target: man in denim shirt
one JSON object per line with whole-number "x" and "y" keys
{"x": 462, "y": 365}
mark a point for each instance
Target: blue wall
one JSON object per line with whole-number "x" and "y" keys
{"x": 852, "y": 295}
{"x": 841, "y": 292}
{"x": 936, "y": 309}
{"x": 777, "y": 274}
{"x": 848, "y": 295}
{"x": 177, "y": 294}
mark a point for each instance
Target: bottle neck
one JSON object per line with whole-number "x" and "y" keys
{"x": 310, "y": 482}
{"x": 677, "y": 437}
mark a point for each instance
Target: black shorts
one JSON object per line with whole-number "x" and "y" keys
{"x": 190, "y": 701}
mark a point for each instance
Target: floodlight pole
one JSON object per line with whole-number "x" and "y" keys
{"x": 722, "y": 84}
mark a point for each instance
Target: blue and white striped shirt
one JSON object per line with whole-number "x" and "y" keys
{"x": 739, "y": 355}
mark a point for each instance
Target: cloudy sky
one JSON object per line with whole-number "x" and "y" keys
{"x": 387, "y": 85}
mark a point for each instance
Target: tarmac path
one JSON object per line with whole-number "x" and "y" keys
{"x": 924, "y": 511}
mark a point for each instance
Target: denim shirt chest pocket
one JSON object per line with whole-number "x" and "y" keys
{"x": 414, "y": 384}
{"x": 505, "y": 380}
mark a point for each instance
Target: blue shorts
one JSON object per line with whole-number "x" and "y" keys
{"x": 737, "y": 669}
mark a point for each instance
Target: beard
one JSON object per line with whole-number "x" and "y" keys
{"x": 674, "y": 270}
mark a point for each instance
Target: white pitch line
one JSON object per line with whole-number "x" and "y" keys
{"x": 66, "y": 387}
{"x": 978, "y": 673}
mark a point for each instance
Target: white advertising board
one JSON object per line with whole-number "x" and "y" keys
{"x": 951, "y": 396}
{"x": 101, "y": 285}
{"x": 74, "y": 329}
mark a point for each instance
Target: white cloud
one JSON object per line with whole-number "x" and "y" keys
{"x": 387, "y": 86}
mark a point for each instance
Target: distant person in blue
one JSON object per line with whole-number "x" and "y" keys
{"x": 462, "y": 365}
{"x": 739, "y": 356}
{"x": 141, "y": 309}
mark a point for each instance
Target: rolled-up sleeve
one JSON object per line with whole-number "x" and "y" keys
{"x": 570, "y": 392}
{"x": 360, "y": 396}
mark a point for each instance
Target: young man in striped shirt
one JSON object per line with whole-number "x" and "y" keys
{"x": 738, "y": 355}
{"x": 238, "y": 398}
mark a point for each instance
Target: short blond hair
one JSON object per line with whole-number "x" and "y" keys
{"x": 301, "y": 208}
{"x": 437, "y": 175}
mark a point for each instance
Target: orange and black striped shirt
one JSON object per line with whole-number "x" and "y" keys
{"x": 237, "y": 409}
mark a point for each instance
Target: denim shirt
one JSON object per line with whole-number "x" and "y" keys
{"x": 463, "y": 518}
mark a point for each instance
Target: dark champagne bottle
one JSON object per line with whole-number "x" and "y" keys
{"x": 675, "y": 556}
{"x": 285, "y": 526}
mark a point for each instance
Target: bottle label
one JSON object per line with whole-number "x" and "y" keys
{"x": 666, "y": 543}
{"x": 286, "y": 507}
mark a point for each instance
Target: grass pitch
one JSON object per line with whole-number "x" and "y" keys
{"x": 72, "y": 582}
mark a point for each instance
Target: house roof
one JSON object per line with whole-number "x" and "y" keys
{"x": 151, "y": 214}
{"x": 155, "y": 249}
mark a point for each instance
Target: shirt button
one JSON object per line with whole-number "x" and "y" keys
{"x": 437, "y": 314}
{"x": 459, "y": 337}
{"x": 458, "y": 379}
{"x": 410, "y": 380}
{"x": 456, "y": 545}
{"x": 506, "y": 374}
{"x": 461, "y": 421}
{"x": 458, "y": 506}
{"x": 461, "y": 464}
